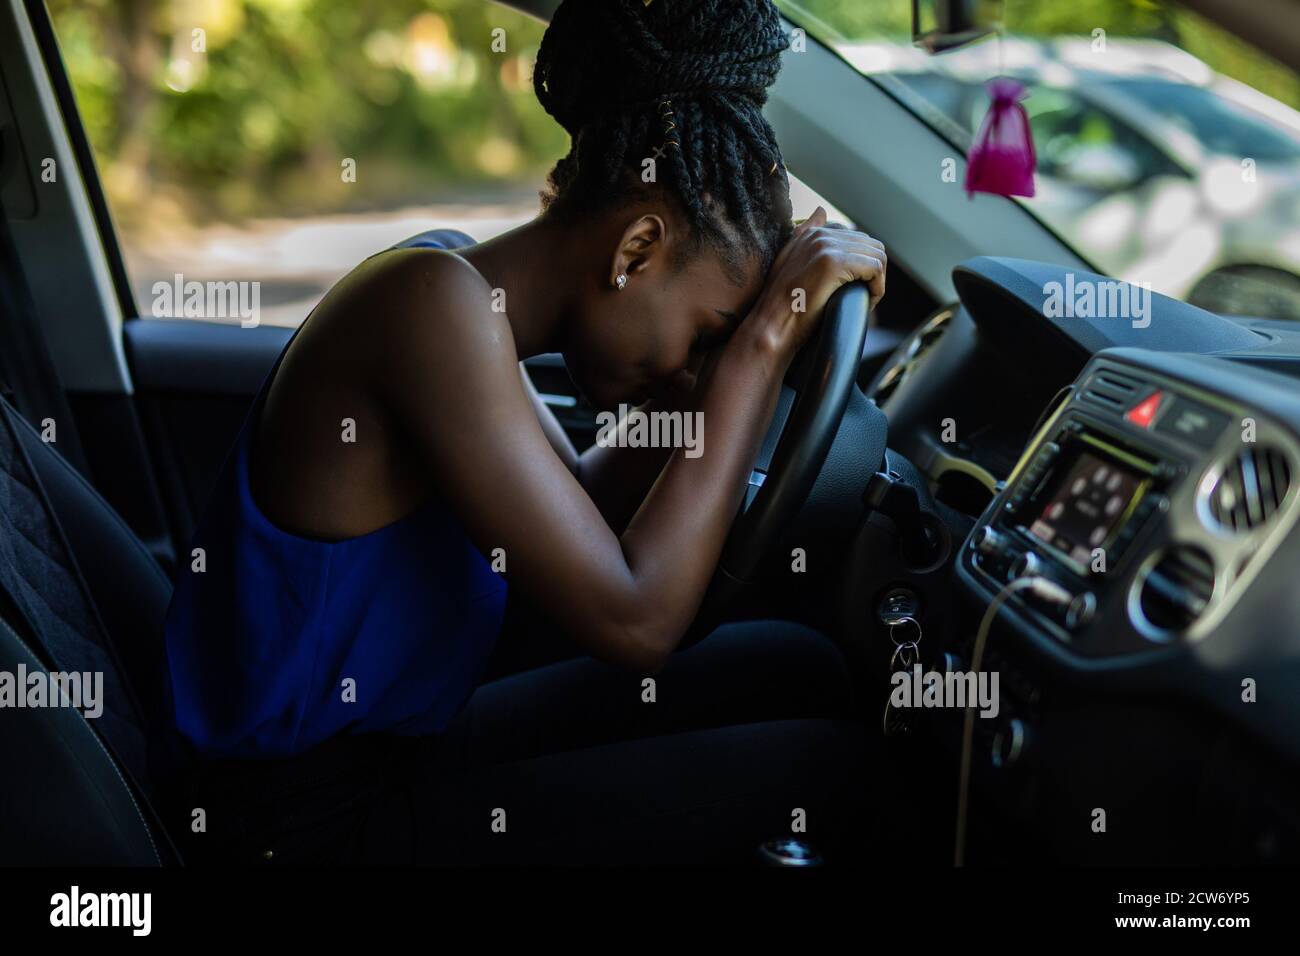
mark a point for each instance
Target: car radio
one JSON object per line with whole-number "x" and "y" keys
{"x": 1080, "y": 501}
{"x": 1092, "y": 506}
{"x": 1073, "y": 512}
{"x": 1074, "y": 508}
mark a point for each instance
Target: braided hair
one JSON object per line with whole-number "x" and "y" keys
{"x": 682, "y": 82}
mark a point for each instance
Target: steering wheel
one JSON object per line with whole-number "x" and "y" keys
{"x": 813, "y": 398}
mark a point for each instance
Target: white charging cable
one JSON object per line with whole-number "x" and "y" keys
{"x": 1048, "y": 591}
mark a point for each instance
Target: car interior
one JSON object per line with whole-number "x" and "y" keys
{"x": 927, "y": 460}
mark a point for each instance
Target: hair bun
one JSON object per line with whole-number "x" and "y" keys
{"x": 602, "y": 56}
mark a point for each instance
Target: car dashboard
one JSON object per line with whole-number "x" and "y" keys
{"x": 1149, "y": 477}
{"x": 1152, "y": 499}
{"x": 1160, "y": 497}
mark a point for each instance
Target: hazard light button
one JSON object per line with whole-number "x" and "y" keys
{"x": 1144, "y": 411}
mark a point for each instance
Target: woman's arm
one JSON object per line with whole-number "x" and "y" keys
{"x": 451, "y": 379}
{"x": 555, "y": 434}
{"x": 616, "y": 476}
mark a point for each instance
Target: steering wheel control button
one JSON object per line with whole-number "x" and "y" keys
{"x": 1144, "y": 412}
{"x": 756, "y": 479}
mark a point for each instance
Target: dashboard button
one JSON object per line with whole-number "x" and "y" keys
{"x": 1167, "y": 470}
{"x": 1009, "y": 744}
{"x": 988, "y": 541}
{"x": 1144, "y": 412}
{"x": 1027, "y": 565}
{"x": 1081, "y": 610}
{"x": 1192, "y": 422}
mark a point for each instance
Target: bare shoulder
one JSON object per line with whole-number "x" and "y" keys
{"x": 431, "y": 300}
{"x": 434, "y": 336}
{"x": 429, "y": 280}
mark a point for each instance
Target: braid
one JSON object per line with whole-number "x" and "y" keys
{"x": 616, "y": 73}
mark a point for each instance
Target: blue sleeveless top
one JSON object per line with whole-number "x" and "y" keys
{"x": 281, "y": 642}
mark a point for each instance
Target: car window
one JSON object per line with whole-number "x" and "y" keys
{"x": 1168, "y": 150}
{"x": 1225, "y": 127}
{"x": 277, "y": 143}
{"x": 1084, "y": 145}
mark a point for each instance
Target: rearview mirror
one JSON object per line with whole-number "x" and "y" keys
{"x": 939, "y": 25}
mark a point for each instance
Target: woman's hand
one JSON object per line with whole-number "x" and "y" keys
{"x": 818, "y": 259}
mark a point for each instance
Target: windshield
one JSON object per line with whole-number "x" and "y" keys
{"x": 1219, "y": 124}
{"x": 1168, "y": 150}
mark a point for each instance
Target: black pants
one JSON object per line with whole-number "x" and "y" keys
{"x": 748, "y": 736}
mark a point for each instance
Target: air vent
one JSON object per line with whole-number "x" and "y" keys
{"x": 1114, "y": 390}
{"x": 1177, "y": 590}
{"x": 1117, "y": 381}
{"x": 1250, "y": 489}
{"x": 908, "y": 355}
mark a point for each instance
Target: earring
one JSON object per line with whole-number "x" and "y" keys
{"x": 620, "y": 281}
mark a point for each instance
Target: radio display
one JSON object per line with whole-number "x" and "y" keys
{"x": 1084, "y": 509}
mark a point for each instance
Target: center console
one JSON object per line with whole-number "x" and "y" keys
{"x": 1151, "y": 667}
{"x": 1150, "y": 501}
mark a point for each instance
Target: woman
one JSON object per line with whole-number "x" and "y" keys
{"x": 398, "y": 474}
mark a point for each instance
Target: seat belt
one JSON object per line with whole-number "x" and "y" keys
{"x": 28, "y": 378}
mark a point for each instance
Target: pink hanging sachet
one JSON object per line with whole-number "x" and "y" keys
{"x": 1001, "y": 159}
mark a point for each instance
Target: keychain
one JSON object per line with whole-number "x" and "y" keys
{"x": 906, "y": 653}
